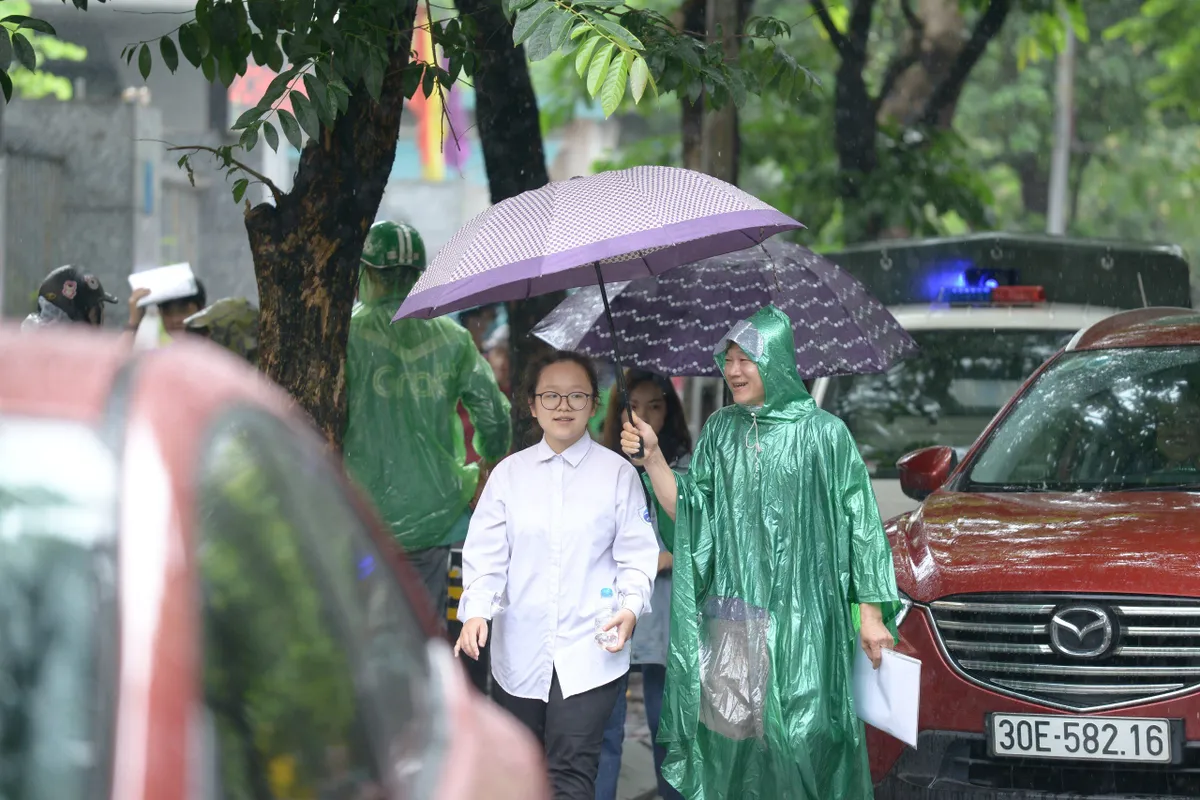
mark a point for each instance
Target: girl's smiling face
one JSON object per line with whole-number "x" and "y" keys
{"x": 564, "y": 401}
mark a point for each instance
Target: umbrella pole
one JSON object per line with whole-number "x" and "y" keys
{"x": 617, "y": 354}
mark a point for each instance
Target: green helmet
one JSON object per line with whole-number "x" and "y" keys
{"x": 393, "y": 244}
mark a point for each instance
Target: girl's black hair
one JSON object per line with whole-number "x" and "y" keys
{"x": 675, "y": 440}
{"x": 534, "y": 373}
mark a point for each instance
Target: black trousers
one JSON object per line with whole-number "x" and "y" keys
{"x": 571, "y": 729}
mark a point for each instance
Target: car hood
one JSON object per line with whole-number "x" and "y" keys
{"x": 1112, "y": 542}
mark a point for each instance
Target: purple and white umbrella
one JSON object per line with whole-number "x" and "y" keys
{"x": 619, "y": 225}
{"x": 669, "y": 324}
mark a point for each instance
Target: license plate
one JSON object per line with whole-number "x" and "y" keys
{"x": 1081, "y": 738}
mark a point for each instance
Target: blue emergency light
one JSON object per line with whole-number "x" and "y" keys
{"x": 988, "y": 287}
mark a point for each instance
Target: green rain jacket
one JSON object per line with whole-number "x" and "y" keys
{"x": 778, "y": 523}
{"x": 404, "y": 439}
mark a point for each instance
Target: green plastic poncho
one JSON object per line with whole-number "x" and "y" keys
{"x": 404, "y": 439}
{"x": 778, "y": 523}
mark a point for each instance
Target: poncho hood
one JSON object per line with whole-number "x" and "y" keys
{"x": 767, "y": 339}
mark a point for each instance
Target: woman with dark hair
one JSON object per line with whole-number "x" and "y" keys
{"x": 653, "y": 399}
{"x": 560, "y": 525}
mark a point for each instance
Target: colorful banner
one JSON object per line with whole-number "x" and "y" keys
{"x": 441, "y": 129}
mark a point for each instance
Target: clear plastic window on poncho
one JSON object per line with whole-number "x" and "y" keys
{"x": 735, "y": 667}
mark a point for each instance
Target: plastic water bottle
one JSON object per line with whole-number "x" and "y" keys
{"x": 606, "y": 609}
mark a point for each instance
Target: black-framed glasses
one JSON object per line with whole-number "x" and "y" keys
{"x": 576, "y": 401}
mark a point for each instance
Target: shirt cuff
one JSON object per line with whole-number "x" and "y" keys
{"x": 474, "y": 607}
{"x": 633, "y": 603}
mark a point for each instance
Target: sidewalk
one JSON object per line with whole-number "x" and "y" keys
{"x": 637, "y": 780}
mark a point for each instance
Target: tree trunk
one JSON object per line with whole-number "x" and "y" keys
{"x": 506, "y": 112}
{"x": 720, "y": 144}
{"x": 506, "y": 108}
{"x": 307, "y": 248}
{"x": 693, "y": 21}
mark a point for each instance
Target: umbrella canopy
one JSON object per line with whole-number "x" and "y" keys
{"x": 670, "y": 324}
{"x": 626, "y": 224}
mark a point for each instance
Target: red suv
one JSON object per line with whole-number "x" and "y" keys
{"x": 1052, "y": 582}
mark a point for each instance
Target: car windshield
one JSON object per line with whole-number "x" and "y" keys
{"x": 944, "y": 395}
{"x": 57, "y": 521}
{"x": 1101, "y": 420}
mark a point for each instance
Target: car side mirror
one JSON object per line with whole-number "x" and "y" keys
{"x": 922, "y": 472}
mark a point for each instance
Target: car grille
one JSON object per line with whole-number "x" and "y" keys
{"x": 1014, "y": 645}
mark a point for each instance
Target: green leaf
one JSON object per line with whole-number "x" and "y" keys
{"x": 549, "y": 36}
{"x": 410, "y": 79}
{"x": 584, "y": 56}
{"x": 209, "y": 67}
{"x": 239, "y": 189}
{"x": 318, "y": 95}
{"x": 639, "y": 76}
{"x": 613, "y": 90}
{"x": 170, "y": 55}
{"x": 249, "y": 117}
{"x": 374, "y": 76}
{"x": 617, "y": 32}
{"x": 6, "y": 50}
{"x": 225, "y": 69}
{"x": 28, "y": 59}
{"x": 264, "y": 14}
{"x": 274, "y": 56}
{"x": 513, "y": 6}
{"x": 249, "y": 139}
{"x": 277, "y": 86}
{"x": 189, "y": 44}
{"x": 599, "y": 68}
{"x": 203, "y": 39}
{"x": 202, "y": 10}
{"x": 340, "y": 95}
{"x": 291, "y": 129}
{"x": 271, "y": 135}
{"x": 560, "y": 29}
{"x": 6, "y": 85}
{"x": 305, "y": 114}
{"x": 528, "y": 19}
{"x": 22, "y": 21}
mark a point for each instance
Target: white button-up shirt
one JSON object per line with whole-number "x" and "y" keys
{"x": 550, "y": 532}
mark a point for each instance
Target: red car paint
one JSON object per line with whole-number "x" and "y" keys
{"x": 159, "y": 405}
{"x": 1136, "y": 543}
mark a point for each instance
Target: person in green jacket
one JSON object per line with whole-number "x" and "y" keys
{"x": 778, "y": 547}
{"x": 404, "y": 440}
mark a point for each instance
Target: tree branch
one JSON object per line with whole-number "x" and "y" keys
{"x": 253, "y": 173}
{"x": 914, "y": 22}
{"x": 900, "y": 64}
{"x": 835, "y": 36}
{"x": 860, "y": 26}
{"x": 948, "y": 91}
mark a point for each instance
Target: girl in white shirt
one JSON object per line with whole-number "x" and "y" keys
{"x": 557, "y": 523}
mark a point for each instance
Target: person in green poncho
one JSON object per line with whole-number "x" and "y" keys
{"x": 776, "y": 539}
{"x": 404, "y": 439}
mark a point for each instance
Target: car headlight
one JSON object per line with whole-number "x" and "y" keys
{"x": 906, "y": 605}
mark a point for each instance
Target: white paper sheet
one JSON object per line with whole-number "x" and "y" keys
{"x": 889, "y": 698}
{"x": 165, "y": 283}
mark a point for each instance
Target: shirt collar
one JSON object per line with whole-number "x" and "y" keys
{"x": 573, "y": 454}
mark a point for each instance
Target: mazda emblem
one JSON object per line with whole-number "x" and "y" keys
{"x": 1081, "y": 631}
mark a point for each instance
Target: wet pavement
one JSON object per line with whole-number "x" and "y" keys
{"x": 637, "y": 759}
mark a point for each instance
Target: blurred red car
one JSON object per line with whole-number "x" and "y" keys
{"x": 195, "y": 604}
{"x": 1050, "y": 582}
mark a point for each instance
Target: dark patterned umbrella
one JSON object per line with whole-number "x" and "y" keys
{"x": 670, "y": 323}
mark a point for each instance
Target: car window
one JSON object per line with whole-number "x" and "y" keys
{"x": 57, "y": 537}
{"x": 1109, "y": 419}
{"x": 316, "y": 672}
{"x": 946, "y": 394}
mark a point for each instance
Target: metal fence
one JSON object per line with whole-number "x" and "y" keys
{"x": 33, "y": 226}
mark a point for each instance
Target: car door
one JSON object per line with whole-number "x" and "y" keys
{"x": 318, "y": 680}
